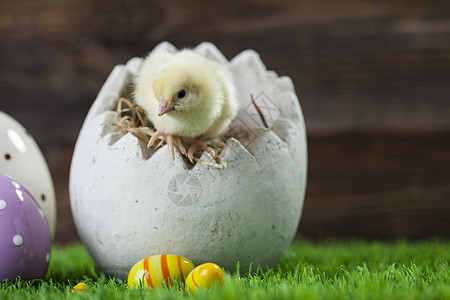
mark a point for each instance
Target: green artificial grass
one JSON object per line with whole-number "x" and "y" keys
{"x": 323, "y": 270}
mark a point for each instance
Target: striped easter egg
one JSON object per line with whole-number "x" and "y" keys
{"x": 156, "y": 270}
{"x": 204, "y": 276}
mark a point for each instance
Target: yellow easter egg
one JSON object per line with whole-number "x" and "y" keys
{"x": 81, "y": 287}
{"x": 152, "y": 271}
{"x": 204, "y": 276}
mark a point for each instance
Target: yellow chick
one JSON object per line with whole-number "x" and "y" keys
{"x": 186, "y": 95}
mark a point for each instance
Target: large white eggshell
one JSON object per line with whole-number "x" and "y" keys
{"x": 127, "y": 206}
{"x": 21, "y": 158}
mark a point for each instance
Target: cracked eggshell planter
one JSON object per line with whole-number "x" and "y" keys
{"x": 129, "y": 203}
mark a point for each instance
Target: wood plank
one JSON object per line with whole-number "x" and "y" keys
{"x": 355, "y": 65}
{"x": 372, "y": 77}
{"x": 380, "y": 185}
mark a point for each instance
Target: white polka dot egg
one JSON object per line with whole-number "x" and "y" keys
{"x": 21, "y": 158}
{"x": 24, "y": 237}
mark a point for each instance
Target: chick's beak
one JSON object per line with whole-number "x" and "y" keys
{"x": 165, "y": 107}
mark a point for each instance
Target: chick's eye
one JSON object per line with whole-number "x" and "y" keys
{"x": 181, "y": 94}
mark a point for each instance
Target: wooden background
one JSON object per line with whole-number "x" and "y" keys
{"x": 373, "y": 78}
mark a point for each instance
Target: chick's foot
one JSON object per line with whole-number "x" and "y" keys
{"x": 196, "y": 146}
{"x": 172, "y": 141}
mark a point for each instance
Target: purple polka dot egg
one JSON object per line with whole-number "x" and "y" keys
{"x": 25, "y": 241}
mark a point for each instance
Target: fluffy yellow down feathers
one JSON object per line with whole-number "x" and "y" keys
{"x": 186, "y": 95}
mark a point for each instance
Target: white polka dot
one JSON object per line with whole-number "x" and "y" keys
{"x": 17, "y": 140}
{"x": 3, "y": 204}
{"x": 19, "y": 194}
{"x": 18, "y": 240}
{"x": 47, "y": 258}
{"x": 15, "y": 184}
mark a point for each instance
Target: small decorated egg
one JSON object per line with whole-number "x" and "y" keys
{"x": 24, "y": 234}
{"x": 21, "y": 159}
{"x": 152, "y": 271}
{"x": 204, "y": 276}
{"x": 81, "y": 287}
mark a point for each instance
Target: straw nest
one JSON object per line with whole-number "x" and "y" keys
{"x": 131, "y": 118}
